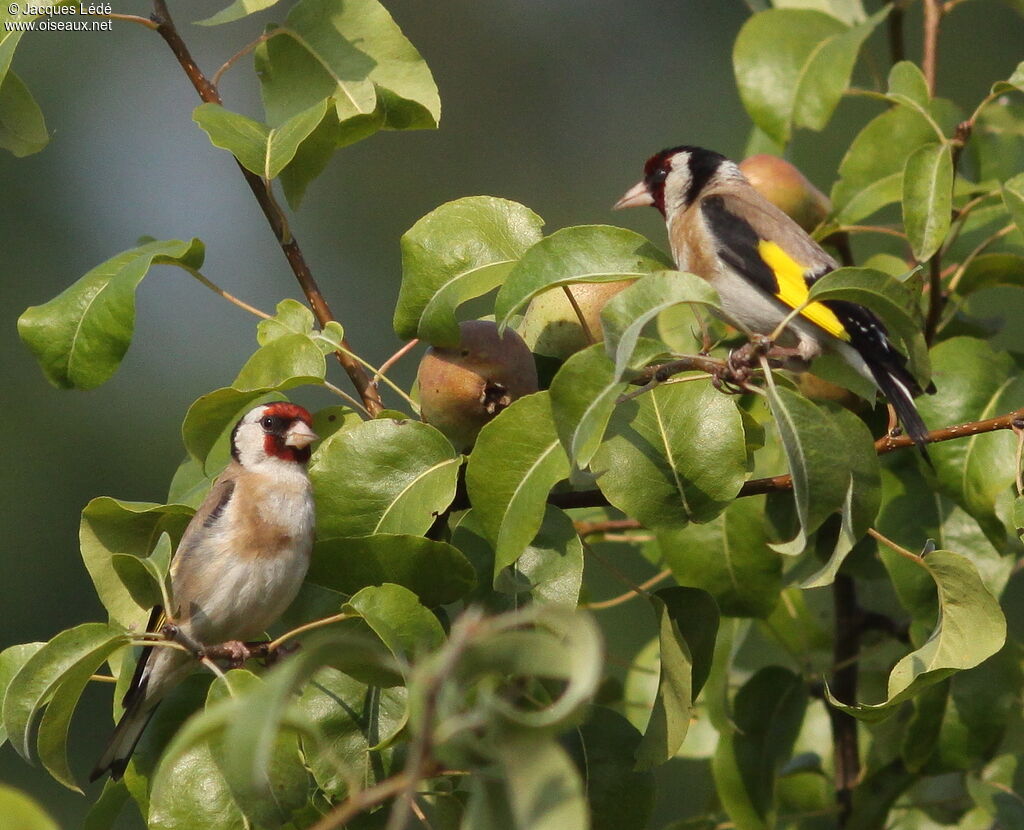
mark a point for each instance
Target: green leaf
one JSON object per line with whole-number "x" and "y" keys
{"x": 253, "y": 731}
{"x": 261, "y": 149}
{"x": 863, "y": 495}
{"x": 542, "y": 785}
{"x": 550, "y": 569}
{"x": 603, "y": 749}
{"x": 687, "y": 627}
{"x": 21, "y": 812}
{"x": 970, "y": 629}
{"x": 354, "y": 721}
{"x": 52, "y": 738}
{"x": 286, "y": 362}
{"x": 768, "y": 712}
{"x": 12, "y": 659}
{"x": 974, "y": 382}
{"x": 675, "y": 454}
{"x": 871, "y": 172}
{"x": 896, "y": 302}
{"x": 111, "y": 527}
{"x": 626, "y": 314}
{"x": 516, "y": 461}
{"x": 292, "y": 317}
{"x": 458, "y": 251}
{"x": 80, "y": 336}
{"x": 729, "y": 558}
{"x": 1015, "y": 81}
{"x": 356, "y": 54}
{"x": 908, "y": 84}
{"x": 810, "y": 437}
{"x": 848, "y": 11}
{"x": 928, "y": 198}
{"x": 792, "y": 66}
{"x": 30, "y": 689}
{"x": 989, "y": 270}
{"x": 396, "y": 615}
{"x": 585, "y": 253}
{"x": 435, "y": 571}
{"x": 107, "y": 808}
{"x": 144, "y": 577}
{"x": 22, "y": 128}
{"x": 583, "y": 395}
{"x": 1013, "y": 198}
{"x": 353, "y": 498}
{"x": 236, "y": 11}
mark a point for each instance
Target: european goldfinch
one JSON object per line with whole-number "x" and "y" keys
{"x": 762, "y": 265}
{"x": 238, "y": 566}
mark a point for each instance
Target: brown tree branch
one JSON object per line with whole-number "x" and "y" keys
{"x": 271, "y": 210}
{"x": 930, "y": 48}
{"x": 844, "y": 685}
{"x": 760, "y": 486}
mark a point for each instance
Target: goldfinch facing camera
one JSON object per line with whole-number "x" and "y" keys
{"x": 238, "y": 566}
{"x": 762, "y": 265}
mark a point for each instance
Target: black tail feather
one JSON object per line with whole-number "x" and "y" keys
{"x": 899, "y": 387}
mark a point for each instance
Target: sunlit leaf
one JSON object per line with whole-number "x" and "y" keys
{"x": 516, "y": 461}
{"x": 927, "y": 198}
{"x": 458, "y": 251}
{"x": 585, "y": 253}
{"x": 970, "y": 629}
{"x": 675, "y": 454}
{"x": 80, "y": 336}
{"x": 353, "y": 498}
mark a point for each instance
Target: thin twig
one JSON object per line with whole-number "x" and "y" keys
{"x": 362, "y": 801}
{"x": 978, "y": 250}
{"x": 391, "y": 361}
{"x": 275, "y": 217}
{"x": 123, "y": 18}
{"x": 633, "y": 593}
{"x": 585, "y": 529}
{"x": 245, "y": 50}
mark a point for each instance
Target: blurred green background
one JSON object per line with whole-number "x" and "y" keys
{"x": 553, "y": 103}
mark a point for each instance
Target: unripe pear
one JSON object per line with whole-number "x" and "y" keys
{"x": 551, "y": 326}
{"x": 464, "y": 387}
{"x": 787, "y": 188}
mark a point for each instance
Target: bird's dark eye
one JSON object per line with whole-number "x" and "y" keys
{"x": 658, "y": 176}
{"x": 268, "y": 422}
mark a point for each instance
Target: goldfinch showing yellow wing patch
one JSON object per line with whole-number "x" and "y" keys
{"x": 763, "y": 264}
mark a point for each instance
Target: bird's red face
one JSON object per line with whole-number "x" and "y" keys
{"x": 287, "y": 432}
{"x": 673, "y": 178}
{"x": 280, "y": 431}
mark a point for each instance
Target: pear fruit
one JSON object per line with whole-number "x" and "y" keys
{"x": 464, "y": 387}
{"x": 551, "y": 326}
{"x": 787, "y": 188}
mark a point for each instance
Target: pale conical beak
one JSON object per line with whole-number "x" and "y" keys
{"x": 636, "y": 196}
{"x": 300, "y": 436}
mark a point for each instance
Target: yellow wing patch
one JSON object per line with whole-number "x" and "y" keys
{"x": 793, "y": 288}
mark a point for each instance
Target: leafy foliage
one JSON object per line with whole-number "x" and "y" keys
{"x": 457, "y": 662}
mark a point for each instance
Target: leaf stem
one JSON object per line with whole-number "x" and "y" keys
{"x": 579, "y": 315}
{"x": 933, "y": 10}
{"x": 124, "y": 18}
{"x": 394, "y": 386}
{"x": 302, "y": 629}
{"x": 889, "y": 543}
{"x": 633, "y": 593}
{"x": 345, "y": 396}
{"x": 241, "y": 53}
{"x": 216, "y": 289}
{"x": 208, "y": 92}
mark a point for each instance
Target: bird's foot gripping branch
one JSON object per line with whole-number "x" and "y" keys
{"x": 463, "y": 570}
